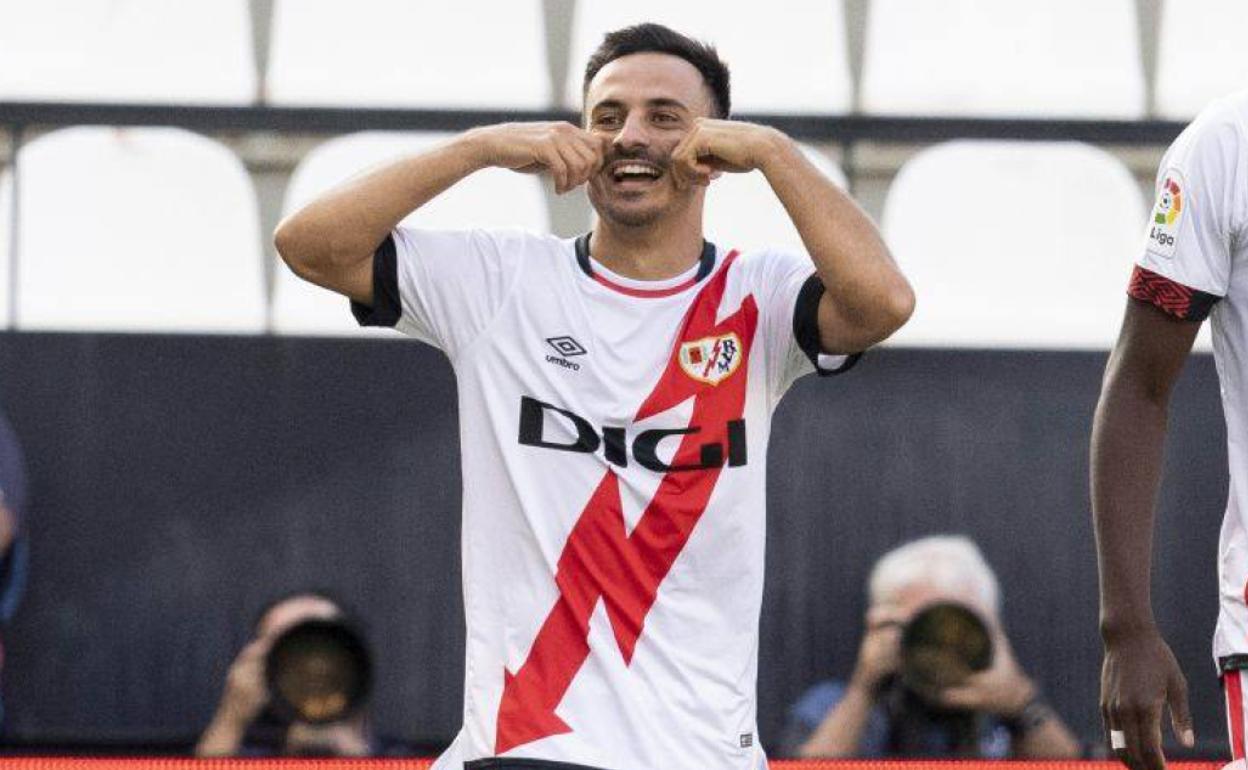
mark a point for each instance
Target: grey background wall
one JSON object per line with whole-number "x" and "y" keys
{"x": 179, "y": 482}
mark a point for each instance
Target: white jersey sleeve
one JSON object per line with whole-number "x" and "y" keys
{"x": 442, "y": 286}
{"x": 789, "y": 292}
{"x": 1197, "y": 219}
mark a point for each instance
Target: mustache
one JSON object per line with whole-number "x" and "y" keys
{"x": 661, "y": 161}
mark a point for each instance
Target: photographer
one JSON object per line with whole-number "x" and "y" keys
{"x": 13, "y": 543}
{"x": 985, "y": 708}
{"x": 251, "y": 721}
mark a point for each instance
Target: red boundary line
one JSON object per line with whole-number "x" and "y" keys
{"x": 180, "y": 763}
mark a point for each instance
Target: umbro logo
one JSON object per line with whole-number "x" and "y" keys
{"x": 567, "y": 348}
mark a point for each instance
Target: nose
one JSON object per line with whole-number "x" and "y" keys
{"x": 632, "y": 135}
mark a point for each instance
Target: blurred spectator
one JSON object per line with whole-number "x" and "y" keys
{"x": 248, "y": 722}
{"x": 995, "y": 712}
{"x": 13, "y": 546}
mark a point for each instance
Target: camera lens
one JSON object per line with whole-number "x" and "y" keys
{"x": 941, "y": 646}
{"x": 318, "y": 671}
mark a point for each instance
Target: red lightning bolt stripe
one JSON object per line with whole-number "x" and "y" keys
{"x": 706, "y": 372}
{"x": 600, "y": 560}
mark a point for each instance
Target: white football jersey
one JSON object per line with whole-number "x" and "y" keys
{"x": 614, "y": 441}
{"x": 1195, "y": 264}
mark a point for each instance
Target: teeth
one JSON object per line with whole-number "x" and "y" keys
{"x": 635, "y": 169}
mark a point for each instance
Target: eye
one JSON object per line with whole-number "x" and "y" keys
{"x": 607, "y": 120}
{"x": 666, "y": 117}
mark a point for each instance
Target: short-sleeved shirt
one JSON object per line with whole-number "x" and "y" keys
{"x": 614, "y": 438}
{"x": 932, "y": 738}
{"x": 1194, "y": 264}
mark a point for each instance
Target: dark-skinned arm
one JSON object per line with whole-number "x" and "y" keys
{"x": 1140, "y": 676}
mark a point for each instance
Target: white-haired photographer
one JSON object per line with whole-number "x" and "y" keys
{"x": 935, "y": 675}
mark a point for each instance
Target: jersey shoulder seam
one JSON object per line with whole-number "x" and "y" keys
{"x": 508, "y": 295}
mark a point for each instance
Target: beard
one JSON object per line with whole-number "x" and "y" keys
{"x": 618, "y": 209}
{"x": 620, "y": 213}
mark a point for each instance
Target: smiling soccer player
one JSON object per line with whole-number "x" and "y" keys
{"x": 615, "y": 396}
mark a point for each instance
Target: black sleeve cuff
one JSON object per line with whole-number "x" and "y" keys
{"x": 806, "y": 328}
{"x": 386, "y": 308}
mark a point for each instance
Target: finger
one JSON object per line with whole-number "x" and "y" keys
{"x": 690, "y": 171}
{"x": 574, "y": 164}
{"x": 558, "y": 169}
{"x": 1150, "y": 740}
{"x": 684, "y": 156}
{"x": 702, "y": 174}
{"x": 1180, "y": 711}
{"x": 606, "y": 148}
{"x": 958, "y": 697}
{"x": 1143, "y": 751}
{"x": 1113, "y": 736}
{"x": 885, "y": 616}
{"x": 256, "y": 648}
{"x": 1121, "y": 723}
{"x": 1108, "y": 725}
{"x": 1128, "y": 749}
{"x": 587, "y": 163}
{"x": 597, "y": 146}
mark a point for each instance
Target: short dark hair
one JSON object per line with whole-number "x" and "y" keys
{"x": 656, "y": 38}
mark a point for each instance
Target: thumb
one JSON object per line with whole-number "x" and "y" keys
{"x": 958, "y": 696}
{"x": 1180, "y": 712}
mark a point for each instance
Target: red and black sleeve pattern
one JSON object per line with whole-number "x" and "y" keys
{"x": 1172, "y": 297}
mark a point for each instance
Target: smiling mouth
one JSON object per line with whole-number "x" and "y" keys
{"x": 636, "y": 173}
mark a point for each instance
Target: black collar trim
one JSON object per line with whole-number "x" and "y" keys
{"x": 706, "y": 261}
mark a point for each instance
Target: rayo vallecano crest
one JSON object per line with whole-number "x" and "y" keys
{"x": 711, "y": 359}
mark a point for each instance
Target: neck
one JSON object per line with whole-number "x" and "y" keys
{"x": 649, "y": 253}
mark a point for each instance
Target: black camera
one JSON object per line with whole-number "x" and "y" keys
{"x": 941, "y": 646}
{"x": 318, "y": 671}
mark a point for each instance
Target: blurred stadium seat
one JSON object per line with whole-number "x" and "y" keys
{"x": 1197, "y": 60}
{"x": 1015, "y": 245}
{"x": 191, "y": 51}
{"x": 791, "y": 59}
{"x": 490, "y": 198}
{"x": 147, "y": 229}
{"x": 408, "y": 53}
{"x": 1006, "y": 58}
{"x": 743, "y": 213}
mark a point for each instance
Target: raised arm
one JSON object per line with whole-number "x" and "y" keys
{"x": 841, "y": 731}
{"x": 866, "y": 297}
{"x": 1139, "y": 676}
{"x": 331, "y": 241}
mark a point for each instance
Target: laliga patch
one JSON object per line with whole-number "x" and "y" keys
{"x": 711, "y": 359}
{"x": 1163, "y": 226}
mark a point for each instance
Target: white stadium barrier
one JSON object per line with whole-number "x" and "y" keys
{"x": 1003, "y": 58}
{"x": 409, "y": 53}
{"x": 190, "y": 51}
{"x": 1197, "y": 60}
{"x": 1015, "y": 245}
{"x": 146, "y": 229}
